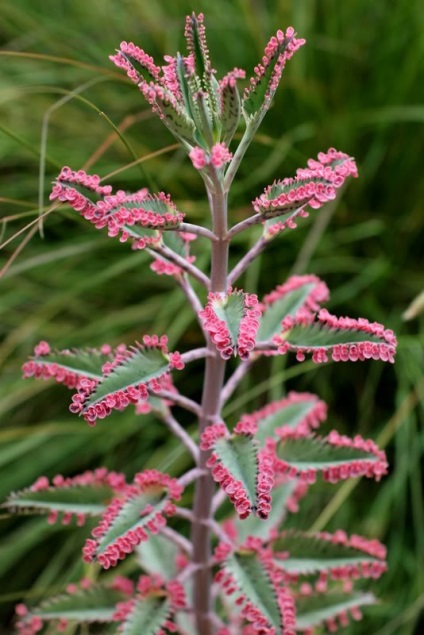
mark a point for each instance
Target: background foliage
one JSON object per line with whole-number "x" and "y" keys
{"x": 357, "y": 85}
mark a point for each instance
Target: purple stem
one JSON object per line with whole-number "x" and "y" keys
{"x": 210, "y": 409}
{"x": 181, "y": 262}
{"x": 247, "y": 259}
{"x": 198, "y": 230}
{"x": 245, "y": 224}
{"x": 177, "y": 399}
{"x": 181, "y": 434}
{"x": 196, "y": 353}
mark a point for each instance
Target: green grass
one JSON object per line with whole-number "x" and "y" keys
{"x": 358, "y": 85}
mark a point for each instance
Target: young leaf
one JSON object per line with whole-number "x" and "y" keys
{"x": 230, "y": 105}
{"x": 336, "y": 456}
{"x": 312, "y": 186}
{"x": 124, "y": 524}
{"x": 299, "y": 296}
{"x": 335, "y": 554}
{"x": 258, "y": 96}
{"x": 231, "y": 320}
{"x": 318, "y": 609}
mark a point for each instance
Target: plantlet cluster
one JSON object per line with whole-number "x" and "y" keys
{"x": 221, "y": 574}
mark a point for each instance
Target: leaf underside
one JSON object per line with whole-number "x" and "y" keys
{"x": 157, "y": 556}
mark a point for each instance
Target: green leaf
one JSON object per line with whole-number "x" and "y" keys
{"x": 318, "y": 335}
{"x": 231, "y": 310}
{"x": 309, "y": 554}
{"x": 317, "y": 454}
{"x": 143, "y": 365}
{"x": 275, "y": 312}
{"x": 132, "y": 515}
{"x": 258, "y": 99}
{"x": 96, "y": 604}
{"x": 239, "y": 455}
{"x": 158, "y": 555}
{"x": 290, "y": 412}
{"x": 148, "y": 616}
{"x": 89, "y": 500}
{"x": 230, "y": 112}
{"x": 81, "y": 362}
{"x": 254, "y": 583}
{"x": 313, "y": 610}
{"x": 254, "y": 526}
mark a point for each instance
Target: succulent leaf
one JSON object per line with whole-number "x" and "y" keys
{"x": 144, "y": 506}
{"x": 298, "y": 296}
{"x": 232, "y": 320}
{"x": 147, "y": 616}
{"x": 157, "y": 556}
{"x": 347, "y": 339}
{"x": 318, "y": 609}
{"x": 307, "y": 553}
{"x": 249, "y": 575}
{"x": 86, "y": 500}
{"x": 336, "y": 456}
{"x": 95, "y": 604}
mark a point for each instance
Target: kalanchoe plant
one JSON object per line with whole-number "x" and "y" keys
{"x": 247, "y": 574}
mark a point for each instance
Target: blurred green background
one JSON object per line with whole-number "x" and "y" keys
{"x": 358, "y": 85}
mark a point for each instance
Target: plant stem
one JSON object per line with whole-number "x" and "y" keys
{"x": 212, "y": 385}
{"x": 247, "y": 259}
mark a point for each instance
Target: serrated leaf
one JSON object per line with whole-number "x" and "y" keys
{"x": 89, "y": 500}
{"x": 239, "y": 455}
{"x": 290, "y": 414}
{"x": 230, "y": 310}
{"x": 275, "y": 312}
{"x": 254, "y": 526}
{"x": 143, "y": 365}
{"x": 315, "y": 609}
{"x": 316, "y": 453}
{"x": 317, "y": 335}
{"x": 147, "y": 616}
{"x": 254, "y": 583}
{"x": 96, "y": 604}
{"x": 132, "y": 515}
{"x": 157, "y": 556}
{"x": 80, "y": 362}
{"x": 258, "y": 98}
{"x": 309, "y": 553}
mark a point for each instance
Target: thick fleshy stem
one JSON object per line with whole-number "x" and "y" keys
{"x": 213, "y": 381}
{"x": 239, "y": 154}
{"x": 244, "y": 224}
{"x": 195, "y": 229}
